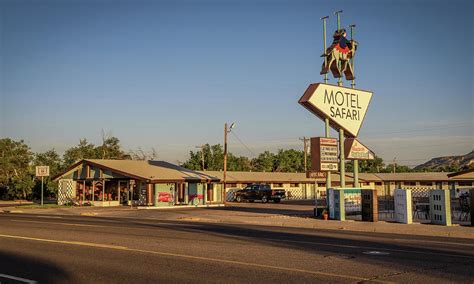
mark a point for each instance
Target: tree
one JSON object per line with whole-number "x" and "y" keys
{"x": 213, "y": 158}
{"x": 16, "y": 177}
{"x": 265, "y": 162}
{"x": 110, "y": 149}
{"x": 367, "y": 166}
{"x": 289, "y": 161}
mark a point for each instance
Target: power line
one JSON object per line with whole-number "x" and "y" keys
{"x": 241, "y": 142}
{"x": 421, "y": 129}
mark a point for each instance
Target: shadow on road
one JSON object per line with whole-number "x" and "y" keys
{"x": 443, "y": 260}
{"x": 26, "y": 267}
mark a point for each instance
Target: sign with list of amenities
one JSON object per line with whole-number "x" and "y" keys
{"x": 324, "y": 154}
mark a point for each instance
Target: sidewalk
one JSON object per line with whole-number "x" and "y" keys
{"x": 261, "y": 215}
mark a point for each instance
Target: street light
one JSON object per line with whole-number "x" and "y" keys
{"x": 226, "y": 131}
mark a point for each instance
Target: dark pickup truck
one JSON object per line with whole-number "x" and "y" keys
{"x": 261, "y": 192}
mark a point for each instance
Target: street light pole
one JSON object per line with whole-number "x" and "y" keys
{"x": 226, "y": 130}
{"x": 225, "y": 164}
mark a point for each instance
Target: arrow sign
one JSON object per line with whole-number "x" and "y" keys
{"x": 357, "y": 151}
{"x": 345, "y": 107}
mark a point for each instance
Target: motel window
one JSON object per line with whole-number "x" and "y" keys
{"x": 426, "y": 183}
{"x": 378, "y": 183}
{"x": 410, "y": 183}
{"x": 464, "y": 183}
{"x": 277, "y": 184}
{"x": 321, "y": 184}
{"x": 294, "y": 184}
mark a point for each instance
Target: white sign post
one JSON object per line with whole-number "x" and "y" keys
{"x": 42, "y": 171}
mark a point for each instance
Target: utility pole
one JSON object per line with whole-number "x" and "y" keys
{"x": 305, "y": 151}
{"x": 394, "y": 164}
{"x": 202, "y": 155}
{"x": 226, "y": 130}
{"x": 225, "y": 164}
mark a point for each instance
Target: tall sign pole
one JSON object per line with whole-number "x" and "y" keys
{"x": 341, "y": 108}
{"x": 326, "y": 120}
{"x": 342, "y": 167}
{"x": 355, "y": 162}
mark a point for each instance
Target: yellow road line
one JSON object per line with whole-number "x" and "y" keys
{"x": 234, "y": 262}
{"x": 58, "y": 223}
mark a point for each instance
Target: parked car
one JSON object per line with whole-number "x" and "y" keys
{"x": 261, "y": 192}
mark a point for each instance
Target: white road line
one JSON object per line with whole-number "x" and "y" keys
{"x": 17, "y": 278}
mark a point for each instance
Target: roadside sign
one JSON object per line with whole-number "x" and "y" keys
{"x": 344, "y": 107}
{"x": 315, "y": 174}
{"x": 355, "y": 150}
{"x": 324, "y": 154}
{"x": 42, "y": 171}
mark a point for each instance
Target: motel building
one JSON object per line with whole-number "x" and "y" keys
{"x": 150, "y": 184}
{"x": 145, "y": 184}
{"x": 298, "y": 186}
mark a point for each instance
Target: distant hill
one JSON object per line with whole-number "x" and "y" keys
{"x": 448, "y": 163}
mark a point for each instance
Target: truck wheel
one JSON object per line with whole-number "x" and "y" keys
{"x": 264, "y": 199}
{"x": 277, "y": 200}
{"x": 238, "y": 198}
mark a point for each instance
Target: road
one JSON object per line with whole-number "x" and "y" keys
{"x": 74, "y": 249}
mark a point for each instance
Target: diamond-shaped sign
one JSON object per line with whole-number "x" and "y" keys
{"x": 345, "y": 107}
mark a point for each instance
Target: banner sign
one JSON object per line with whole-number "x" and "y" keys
{"x": 324, "y": 154}
{"x": 315, "y": 174}
{"x": 355, "y": 150}
{"x": 344, "y": 107}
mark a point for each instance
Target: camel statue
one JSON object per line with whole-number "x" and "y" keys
{"x": 335, "y": 55}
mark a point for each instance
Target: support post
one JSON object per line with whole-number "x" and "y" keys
{"x": 326, "y": 120}
{"x": 42, "y": 191}
{"x": 356, "y": 162}
{"x": 342, "y": 158}
{"x": 339, "y": 80}
{"x": 356, "y": 173}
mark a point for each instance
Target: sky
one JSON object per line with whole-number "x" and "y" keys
{"x": 167, "y": 75}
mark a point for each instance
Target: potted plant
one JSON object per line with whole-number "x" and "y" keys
{"x": 325, "y": 215}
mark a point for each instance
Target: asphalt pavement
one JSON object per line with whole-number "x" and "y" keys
{"x": 82, "y": 249}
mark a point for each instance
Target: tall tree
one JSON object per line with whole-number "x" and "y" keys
{"x": 265, "y": 162}
{"x": 110, "y": 149}
{"x": 16, "y": 177}
{"x": 290, "y": 160}
{"x": 84, "y": 150}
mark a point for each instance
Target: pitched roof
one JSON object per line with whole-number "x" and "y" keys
{"x": 466, "y": 174}
{"x": 431, "y": 176}
{"x": 155, "y": 171}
